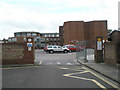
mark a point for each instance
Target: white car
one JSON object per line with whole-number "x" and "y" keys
{"x": 56, "y": 48}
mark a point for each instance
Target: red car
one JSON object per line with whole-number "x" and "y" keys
{"x": 71, "y": 47}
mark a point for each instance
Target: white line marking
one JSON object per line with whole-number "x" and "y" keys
{"x": 58, "y": 63}
{"x": 40, "y": 62}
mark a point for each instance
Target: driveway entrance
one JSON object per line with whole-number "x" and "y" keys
{"x": 43, "y": 58}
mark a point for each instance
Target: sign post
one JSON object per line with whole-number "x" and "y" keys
{"x": 99, "y": 50}
{"x": 29, "y": 44}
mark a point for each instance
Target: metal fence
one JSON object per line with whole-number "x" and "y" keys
{"x": 85, "y": 51}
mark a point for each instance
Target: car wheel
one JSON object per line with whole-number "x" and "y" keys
{"x": 51, "y": 51}
{"x": 65, "y": 51}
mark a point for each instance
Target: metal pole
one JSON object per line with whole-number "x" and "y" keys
{"x": 85, "y": 52}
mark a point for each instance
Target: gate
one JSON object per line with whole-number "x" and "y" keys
{"x": 85, "y": 51}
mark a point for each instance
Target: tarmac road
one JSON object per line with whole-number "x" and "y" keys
{"x": 66, "y": 74}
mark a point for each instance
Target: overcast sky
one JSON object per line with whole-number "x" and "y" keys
{"x": 47, "y": 15}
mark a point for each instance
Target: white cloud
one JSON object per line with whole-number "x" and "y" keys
{"x": 15, "y": 16}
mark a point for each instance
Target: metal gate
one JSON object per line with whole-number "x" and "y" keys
{"x": 85, "y": 51}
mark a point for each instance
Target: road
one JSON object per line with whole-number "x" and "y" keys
{"x": 57, "y": 70}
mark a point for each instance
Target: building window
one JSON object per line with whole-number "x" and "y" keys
{"x": 13, "y": 39}
{"x": 49, "y": 35}
{"x": 28, "y": 34}
{"x": 57, "y": 35}
{"x": 53, "y": 35}
{"x": 47, "y": 39}
{"x": 9, "y": 40}
{"x": 23, "y": 34}
{"x": 55, "y": 39}
{"x": 17, "y": 34}
{"x": 34, "y": 34}
{"x": 46, "y": 35}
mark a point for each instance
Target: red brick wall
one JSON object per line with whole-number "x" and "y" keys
{"x": 80, "y": 31}
{"x": 13, "y": 53}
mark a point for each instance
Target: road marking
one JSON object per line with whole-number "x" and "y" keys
{"x": 85, "y": 71}
{"x": 69, "y": 63}
{"x": 80, "y": 69}
{"x": 40, "y": 62}
{"x": 96, "y": 82}
{"x": 75, "y": 73}
{"x": 64, "y": 68}
{"x": 20, "y": 67}
{"x": 111, "y": 84}
{"x": 58, "y": 63}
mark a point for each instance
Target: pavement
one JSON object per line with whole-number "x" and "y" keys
{"x": 110, "y": 71}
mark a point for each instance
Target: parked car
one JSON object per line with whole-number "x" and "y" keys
{"x": 71, "y": 47}
{"x": 56, "y": 48}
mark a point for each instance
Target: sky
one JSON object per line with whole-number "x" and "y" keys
{"x": 45, "y": 16}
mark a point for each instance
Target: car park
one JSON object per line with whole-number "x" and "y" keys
{"x": 56, "y": 48}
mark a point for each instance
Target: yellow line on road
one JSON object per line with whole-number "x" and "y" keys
{"x": 20, "y": 67}
{"x": 111, "y": 84}
{"x": 100, "y": 85}
{"x": 75, "y": 73}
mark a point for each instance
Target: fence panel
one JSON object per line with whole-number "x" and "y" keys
{"x": 85, "y": 51}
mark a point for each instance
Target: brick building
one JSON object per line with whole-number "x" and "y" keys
{"x": 40, "y": 39}
{"x": 20, "y": 37}
{"x": 115, "y": 36}
{"x": 50, "y": 39}
{"x": 73, "y": 31}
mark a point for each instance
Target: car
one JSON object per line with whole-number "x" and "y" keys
{"x": 56, "y": 48}
{"x": 71, "y": 47}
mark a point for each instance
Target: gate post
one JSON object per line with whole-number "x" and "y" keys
{"x": 99, "y": 50}
{"x": 85, "y": 52}
{"x": 30, "y": 49}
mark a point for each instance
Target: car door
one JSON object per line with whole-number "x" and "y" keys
{"x": 55, "y": 48}
{"x": 60, "y": 48}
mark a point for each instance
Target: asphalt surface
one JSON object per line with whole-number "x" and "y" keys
{"x": 49, "y": 74}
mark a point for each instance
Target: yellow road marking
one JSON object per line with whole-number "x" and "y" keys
{"x": 19, "y": 67}
{"x": 115, "y": 86}
{"x": 78, "y": 69}
{"x": 106, "y": 81}
{"x": 96, "y": 82}
{"x": 75, "y": 73}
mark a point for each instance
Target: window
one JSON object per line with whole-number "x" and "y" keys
{"x": 9, "y": 39}
{"x": 23, "y": 34}
{"x": 14, "y": 39}
{"x": 49, "y": 35}
{"x": 59, "y": 46}
{"x": 49, "y": 46}
{"x": 34, "y": 34}
{"x": 54, "y": 38}
{"x": 47, "y": 39}
{"x": 55, "y": 47}
{"x": 17, "y": 34}
{"x": 28, "y": 34}
{"x": 53, "y": 35}
{"x": 57, "y": 35}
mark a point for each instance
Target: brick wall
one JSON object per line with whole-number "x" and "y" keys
{"x": 80, "y": 30}
{"x": 112, "y": 53}
{"x": 13, "y": 53}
